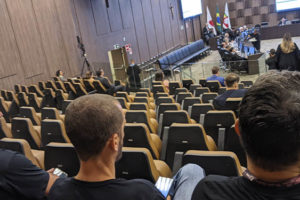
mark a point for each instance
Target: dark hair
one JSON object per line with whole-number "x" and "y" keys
{"x": 88, "y": 74}
{"x": 159, "y": 76}
{"x": 90, "y": 121}
{"x": 270, "y": 120}
{"x": 58, "y": 72}
{"x": 215, "y": 70}
{"x": 272, "y": 52}
{"x": 99, "y": 72}
{"x": 231, "y": 79}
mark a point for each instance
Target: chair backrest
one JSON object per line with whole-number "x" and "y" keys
{"x": 138, "y": 106}
{"x": 141, "y": 94}
{"x": 146, "y": 90}
{"x": 50, "y": 113}
{"x": 161, "y": 94}
{"x": 138, "y": 135}
{"x": 88, "y": 86}
{"x": 233, "y": 104}
{"x": 99, "y": 87}
{"x": 199, "y": 91}
{"x": 22, "y": 128}
{"x": 221, "y": 90}
{"x": 180, "y": 90}
{"x": 200, "y": 109}
{"x": 187, "y": 83}
{"x": 173, "y": 85}
{"x": 214, "y": 120}
{"x": 23, "y": 99}
{"x": 49, "y": 98}
{"x": 80, "y": 91}
{"x": 140, "y": 116}
{"x": 156, "y": 83}
{"x": 62, "y": 156}
{"x": 53, "y": 130}
{"x": 70, "y": 88}
{"x": 167, "y": 106}
{"x": 51, "y": 84}
{"x": 4, "y": 109}
{"x": 34, "y": 101}
{"x": 214, "y": 162}
{"x": 60, "y": 96}
{"x": 202, "y": 82}
{"x": 161, "y": 100}
{"x": 123, "y": 94}
{"x": 208, "y": 97}
{"x": 189, "y": 101}
{"x": 60, "y": 85}
{"x": 20, "y": 146}
{"x": 213, "y": 85}
{"x": 35, "y": 89}
{"x": 193, "y": 87}
{"x": 29, "y": 112}
{"x": 4, "y": 94}
{"x": 143, "y": 166}
{"x": 24, "y": 89}
{"x": 247, "y": 83}
{"x": 141, "y": 100}
{"x": 184, "y": 137}
{"x": 65, "y": 105}
{"x": 42, "y": 85}
{"x": 241, "y": 86}
{"x": 123, "y": 102}
{"x": 158, "y": 88}
{"x": 181, "y": 96}
{"x": 5, "y": 130}
{"x": 18, "y": 88}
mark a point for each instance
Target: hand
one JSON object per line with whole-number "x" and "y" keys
{"x": 1, "y": 114}
{"x": 51, "y": 170}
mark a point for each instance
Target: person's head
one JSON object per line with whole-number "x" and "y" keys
{"x": 94, "y": 124}
{"x": 215, "y": 70}
{"x": 226, "y": 35}
{"x": 100, "y": 73}
{"x": 132, "y": 62}
{"x": 287, "y": 45}
{"x": 88, "y": 74}
{"x": 269, "y": 121}
{"x": 224, "y": 45}
{"x": 159, "y": 76}
{"x": 272, "y": 52}
{"x": 241, "y": 29}
{"x": 59, "y": 73}
{"x": 232, "y": 81}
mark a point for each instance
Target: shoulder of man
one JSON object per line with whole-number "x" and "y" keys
{"x": 146, "y": 186}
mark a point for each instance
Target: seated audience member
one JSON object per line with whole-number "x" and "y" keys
{"x": 95, "y": 126}
{"x": 287, "y": 54}
{"x": 60, "y": 75}
{"x": 20, "y": 179}
{"x": 282, "y": 22}
{"x": 89, "y": 76}
{"x": 271, "y": 61}
{"x": 232, "y": 91}
{"x": 133, "y": 72}
{"x": 215, "y": 76}
{"x": 106, "y": 83}
{"x": 268, "y": 126}
{"x": 159, "y": 76}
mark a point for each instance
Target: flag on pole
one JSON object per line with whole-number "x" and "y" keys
{"x": 226, "y": 23}
{"x": 219, "y": 26}
{"x": 210, "y": 21}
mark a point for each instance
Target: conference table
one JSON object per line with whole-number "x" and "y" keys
{"x": 274, "y": 32}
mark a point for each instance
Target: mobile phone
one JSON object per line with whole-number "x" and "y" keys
{"x": 164, "y": 184}
{"x": 61, "y": 174}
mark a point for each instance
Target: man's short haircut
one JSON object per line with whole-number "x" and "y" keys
{"x": 90, "y": 121}
{"x": 98, "y": 73}
{"x": 270, "y": 120}
{"x": 231, "y": 79}
{"x": 215, "y": 70}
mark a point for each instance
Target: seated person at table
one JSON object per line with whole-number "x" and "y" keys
{"x": 268, "y": 128}
{"x": 216, "y": 76}
{"x": 95, "y": 126}
{"x": 232, "y": 91}
{"x": 106, "y": 83}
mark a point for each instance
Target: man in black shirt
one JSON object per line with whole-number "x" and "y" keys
{"x": 232, "y": 91}
{"x": 105, "y": 82}
{"x": 268, "y": 126}
{"x": 95, "y": 126}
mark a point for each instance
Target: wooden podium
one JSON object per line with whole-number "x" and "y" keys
{"x": 118, "y": 64}
{"x": 256, "y": 64}
{"x": 213, "y": 43}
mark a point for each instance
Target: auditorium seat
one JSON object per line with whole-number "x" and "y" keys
{"x": 62, "y": 156}
{"x": 143, "y": 106}
{"x": 11, "y": 96}
{"x": 99, "y": 87}
{"x": 180, "y": 90}
{"x": 161, "y": 100}
{"x": 144, "y": 100}
{"x": 71, "y": 90}
{"x": 208, "y": 97}
{"x": 166, "y": 106}
{"x": 51, "y": 84}
{"x": 199, "y": 91}
{"x": 24, "y": 89}
{"x": 186, "y": 83}
{"x": 51, "y": 113}
{"x": 22, "y": 128}
{"x": 125, "y": 95}
{"x": 161, "y": 94}
{"x": 4, "y": 108}
{"x": 14, "y": 105}
{"x": 89, "y": 87}
{"x": 60, "y": 85}
{"x": 53, "y": 130}
{"x": 213, "y": 85}
{"x": 60, "y": 97}
{"x": 141, "y": 116}
{"x": 17, "y": 88}
{"x": 23, "y": 99}
{"x": 217, "y": 123}
{"x": 42, "y": 85}
{"x": 150, "y": 94}
{"x": 29, "y": 112}
{"x": 214, "y": 162}
{"x": 4, "y": 95}
{"x": 138, "y": 135}
{"x": 158, "y": 88}
{"x": 198, "y": 111}
{"x": 49, "y": 98}
{"x": 233, "y": 104}
{"x": 173, "y": 116}
{"x": 138, "y": 163}
{"x": 193, "y": 87}
{"x": 5, "y": 129}
{"x": 22, "y": 146}
{"x": 123, "y": 102}
{"x": 182, "y": 95}
{"x": 189, "y": 101}
{"x": 156, "y": 83}
{"x": 184, "y": 137}
{"x": 144, "y": 94}
{"x": 35, "y": 89}
{"x": 35, "y": 101}
{"x": 221, "y": 90}
{"x": 202, "y": 82}
{"x": 80, "y": 90}
{"x": 247, "y": 83}
{"x": 173, "y": 85}
{"x": 65, "y": 105}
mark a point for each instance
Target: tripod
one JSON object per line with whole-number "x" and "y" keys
{"x": 84, "y": 54}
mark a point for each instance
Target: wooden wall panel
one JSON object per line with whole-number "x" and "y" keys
{"x": 126, "y": 12}
{"x": 174, "y": 25}
{"x": 24, "y": 23}
{"x": 114, "y": 15}
{"x": 166, "y": 23}
{"x": 100, "y": 17}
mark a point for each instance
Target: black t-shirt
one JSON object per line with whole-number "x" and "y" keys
{"x": 215, "y": 187}
{"x": 115, "y": 189}
{"x": 19, "y": 178}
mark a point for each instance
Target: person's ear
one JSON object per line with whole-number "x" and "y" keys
{"x": 237, "y": 127}
{"x": 114, "y": 142}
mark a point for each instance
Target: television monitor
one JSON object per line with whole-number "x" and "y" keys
{"x": 286, "y": 5}
{"x": 191, "y": 8}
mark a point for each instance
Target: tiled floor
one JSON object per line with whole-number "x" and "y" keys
{"x": 202, "y": 68}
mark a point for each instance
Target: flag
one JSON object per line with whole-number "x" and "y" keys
{"x": 210, "y": 21}
{"x": 219, "y": 26}
{"x": 226, "y": 22}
